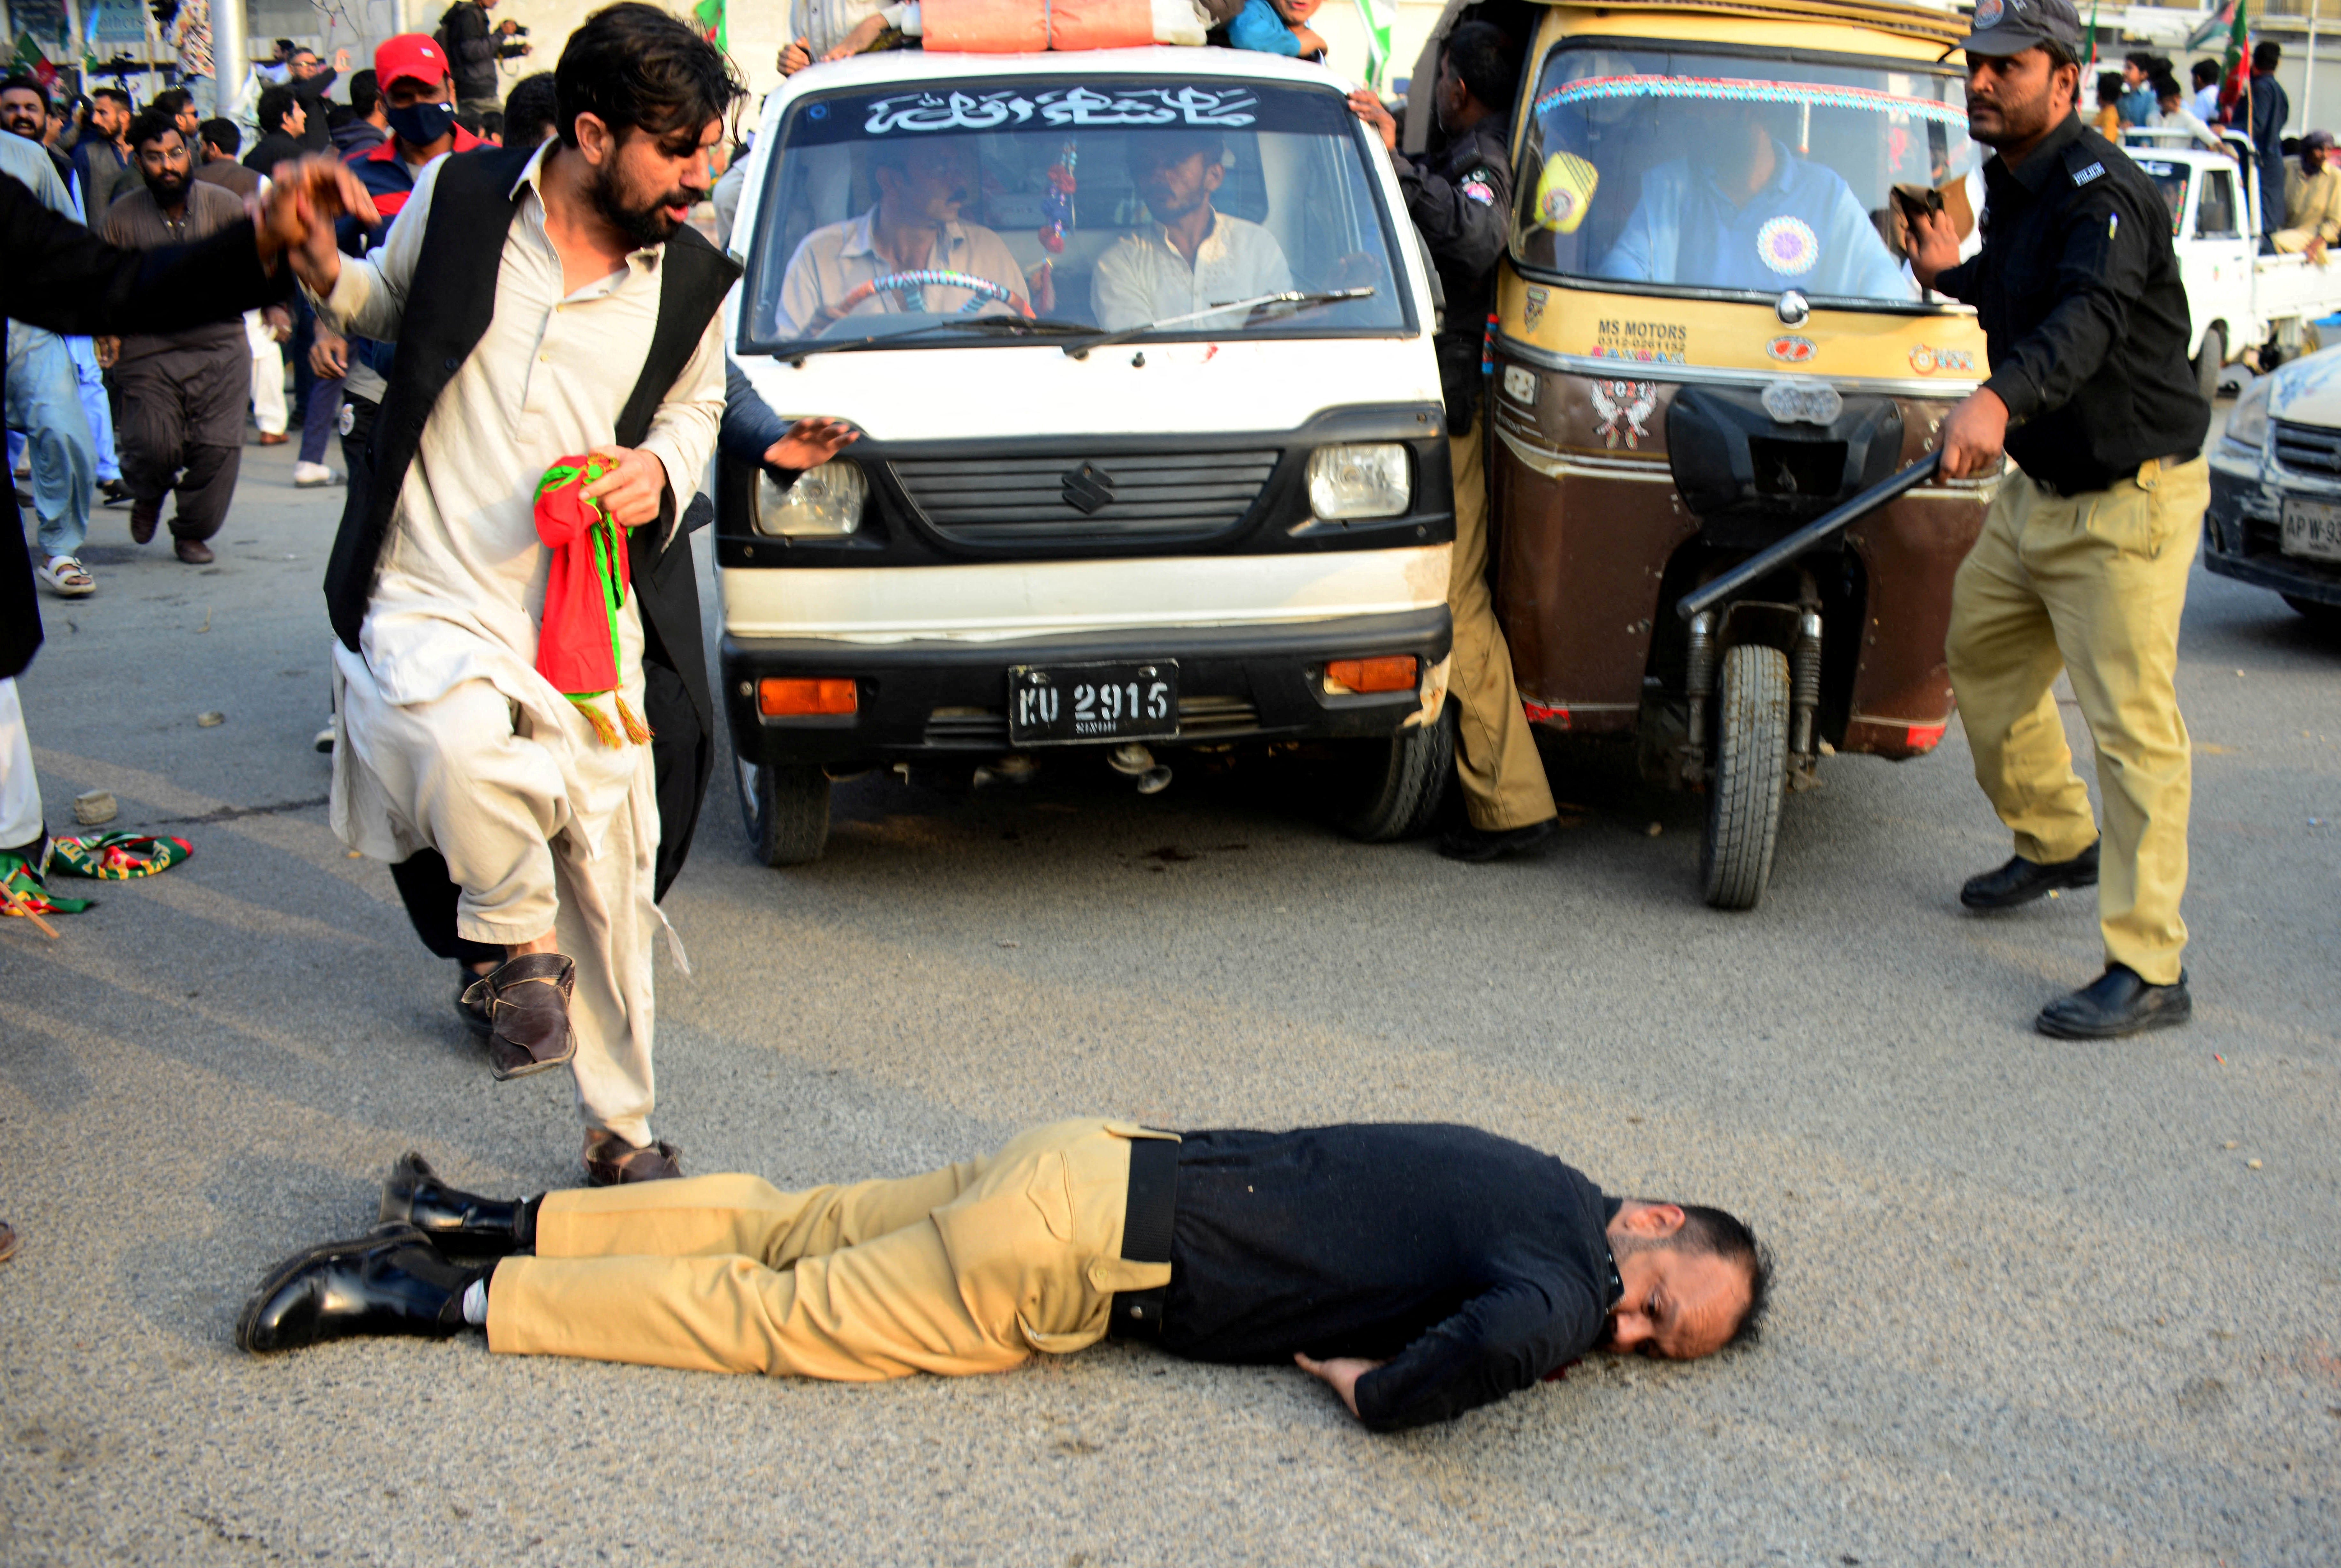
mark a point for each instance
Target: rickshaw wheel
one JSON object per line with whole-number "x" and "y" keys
{"x": 1396, "y": 795}
{"x": 785, "y": 810}
{"x": 1751, "y": 774}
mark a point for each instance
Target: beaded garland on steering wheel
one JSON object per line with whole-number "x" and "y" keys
{"x": 910, "y": 286}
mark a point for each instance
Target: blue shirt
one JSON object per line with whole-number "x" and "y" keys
{"x": 1258, "y": 27}
{"x": 1802, "y": 230}
{"x": 2136, "y": 106}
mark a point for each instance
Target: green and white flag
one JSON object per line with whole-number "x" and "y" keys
{"x": 1379, "y": 17}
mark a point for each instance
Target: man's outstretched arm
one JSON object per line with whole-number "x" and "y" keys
{"x": 1501, "y": 1341}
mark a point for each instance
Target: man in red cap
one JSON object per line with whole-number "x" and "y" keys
{"x": 418, "y": 101}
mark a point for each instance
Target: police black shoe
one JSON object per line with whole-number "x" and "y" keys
{"x": 1481, "y": 844}
{"x": 2021, "y": 881}
{"x": 461, "y": 1224}
{"x": 391, "y": 1282}
{"x": 2119, "y": 1003}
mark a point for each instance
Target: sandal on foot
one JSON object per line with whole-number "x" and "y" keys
{"x": 67, "y": 578}
{"x": 611, "y": 1160}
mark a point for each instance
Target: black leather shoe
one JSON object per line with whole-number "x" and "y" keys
{"x": 527, "y": 1000}
{"x": 391, "y": 1282}
{"x": 2021, "y": 881}
{"x": 2118, "y": 1004}
{"x": 461, "y": 1224}
{"x": 1479, "y": 844}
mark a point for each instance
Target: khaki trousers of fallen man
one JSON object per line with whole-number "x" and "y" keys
{"x": 2091, "y": 584}
{"x": 1496, "y": 759}
{"x": 971, "y": 1268}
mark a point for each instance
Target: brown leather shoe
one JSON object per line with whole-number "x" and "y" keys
{"x": 144, "y": 516}
{"x": 528, "y": 1000}
{"x": 193, "y": 551}
{"x": 611, "y": 1159}
{"x": 8, "y": 1244}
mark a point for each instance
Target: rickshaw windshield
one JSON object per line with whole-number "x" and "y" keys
{"x": 941, "y": 217}
{"x": 1744, "y": 172}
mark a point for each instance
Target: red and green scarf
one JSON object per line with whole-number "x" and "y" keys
{"x": 585, "y": 589}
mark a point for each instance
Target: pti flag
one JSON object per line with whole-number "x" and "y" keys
{"x": 712, "y": 26}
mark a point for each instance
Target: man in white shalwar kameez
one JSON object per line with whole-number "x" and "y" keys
{"x": 450, "y": 738}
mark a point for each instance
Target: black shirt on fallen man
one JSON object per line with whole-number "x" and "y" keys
{"x": 2078, "y": 292}
{"x": 1474, "y": 1265}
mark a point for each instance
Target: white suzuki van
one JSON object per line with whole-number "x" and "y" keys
{"x": 1152, "y": 454}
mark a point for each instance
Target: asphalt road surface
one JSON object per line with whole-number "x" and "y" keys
{"x": 2038, "y": 1302}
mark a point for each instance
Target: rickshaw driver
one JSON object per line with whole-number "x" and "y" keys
{"x": 913, "y": 226}
{"x": 2084, "y": 555}
{"x": 1191, "y": 257}
{"x": 1745, "y": 212}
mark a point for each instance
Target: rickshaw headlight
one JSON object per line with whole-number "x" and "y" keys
{"x": 824, "y": 501}
{"x": 1359, "y": 481}
{"x": 2247, "y": 421}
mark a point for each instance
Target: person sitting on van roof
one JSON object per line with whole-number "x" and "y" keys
{"x": 1744, "y": 212}
{"x": 913, "y": 226}
{"x": 1191, "y": 256}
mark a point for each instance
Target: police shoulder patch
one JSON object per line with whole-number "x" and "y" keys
{"x": 2083, "y": 176}
{"x": 1480, "y": 184}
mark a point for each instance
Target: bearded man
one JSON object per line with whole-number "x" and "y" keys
{"x": 182, "y": 392}
{"x": 548, "y": 303}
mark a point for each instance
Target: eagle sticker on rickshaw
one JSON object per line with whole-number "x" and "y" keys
{"x": 1624, "y": 407}
{"x": 1532, "y": 312}
{"x": 1788, "y": 247}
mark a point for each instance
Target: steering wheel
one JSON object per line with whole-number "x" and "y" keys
{"x": 909, "y": 284}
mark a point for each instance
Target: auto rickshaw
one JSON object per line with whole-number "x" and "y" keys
{"x": 1709, "y": 339}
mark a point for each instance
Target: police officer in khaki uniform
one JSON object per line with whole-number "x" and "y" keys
{"x": 1462, "y": 203}
{"x": 2083, "y": 560}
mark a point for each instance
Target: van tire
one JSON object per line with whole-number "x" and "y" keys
{"x": 785, "y": 809}
{"x": 1391, "y": 789}
{"x": 2210, "y": 362}
{"x": 1751, "y": 774}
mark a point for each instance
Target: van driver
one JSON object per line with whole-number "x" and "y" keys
{"x": 915, "y": 227}
{"x": 1743, "y": 212}
{"x": 1189, "y": 257}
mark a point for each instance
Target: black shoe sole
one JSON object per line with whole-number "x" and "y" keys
{"x": 1480, "y": 851}
{"x": 2161, "y": 1018}
{"x": 529, "y": 1069}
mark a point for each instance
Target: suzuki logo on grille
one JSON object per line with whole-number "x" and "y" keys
{"x": 1088, "y": 488}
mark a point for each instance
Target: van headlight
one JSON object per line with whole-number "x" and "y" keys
{"x": 1367, "y": 479}
{"x": 2247, "y": 421}
{"x": 823, "y": 501}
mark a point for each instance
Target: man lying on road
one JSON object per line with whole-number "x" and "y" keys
{"x": 1421, "y": 1270}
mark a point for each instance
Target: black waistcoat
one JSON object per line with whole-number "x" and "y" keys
{"x": 449, "y": 304}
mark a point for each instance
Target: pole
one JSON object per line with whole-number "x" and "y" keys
{"x": 2308, "y": 74}
{"x": 230, "y": 57}
{"x": 1767, "y": 561}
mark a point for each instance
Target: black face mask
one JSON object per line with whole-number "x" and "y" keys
{"x": 420, "y": 125}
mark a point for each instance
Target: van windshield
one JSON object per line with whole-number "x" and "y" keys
{"x": 1742, "y": 173}
{"x": 904, "y": 213}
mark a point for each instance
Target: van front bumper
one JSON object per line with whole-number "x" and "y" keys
{"x": 934, "y": 698}
{"x": 2242, "y": 533}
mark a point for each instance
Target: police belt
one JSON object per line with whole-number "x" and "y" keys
{"x": 1146, "y": 1235}
{"x": 2152, "y": 467}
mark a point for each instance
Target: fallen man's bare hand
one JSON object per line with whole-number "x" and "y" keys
{"x": 632, "y": 491}
{"x": 811, "y": 443}
{"x": 1340, "y": 1374}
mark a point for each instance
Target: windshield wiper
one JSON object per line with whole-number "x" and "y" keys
{"x": 1296, "y": 299}
{"x": 1002, "y": 326}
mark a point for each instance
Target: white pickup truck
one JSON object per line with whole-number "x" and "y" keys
{"x": 2239, "y": 299}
